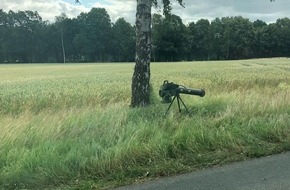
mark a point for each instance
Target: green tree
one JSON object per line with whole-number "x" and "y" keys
{"x": 216, "y": 38}
{"x": 94, "y": 34}
{"x": 237, "y": 38}
{"x": 202, "y": 38}
{"x": 81, "y": 40}
{"x": 243, "y": 38}
{"x": 157, "y": 27}
{"x": 99, "y": 28}
{"x": 23, "y": 36}
{"x": 259, "y": 28}
{"x": 169, "y": 36}
{"x": 123, "y": 41}
{"x": 283, "y": 26}
{"x": 60, "y": 23}
{"x": 59, "y": 37}
{"x": 3, "y": 33}
{"x": 191, "y": 41}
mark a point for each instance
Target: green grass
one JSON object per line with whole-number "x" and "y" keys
{"x": 71, "y": 127}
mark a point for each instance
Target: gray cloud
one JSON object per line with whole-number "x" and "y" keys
{"x": 252, "y": 9}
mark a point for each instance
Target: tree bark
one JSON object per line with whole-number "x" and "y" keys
{"x": 62, "y": 42}
{"x": 63, "y": 49}
{"x": 141, "y": 76}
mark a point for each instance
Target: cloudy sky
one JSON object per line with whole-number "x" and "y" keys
{"x": 193, "y": 11}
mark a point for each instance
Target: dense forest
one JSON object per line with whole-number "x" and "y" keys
{"x": 92, "y": 37}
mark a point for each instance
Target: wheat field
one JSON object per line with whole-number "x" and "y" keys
{"x": 69, "y": 126}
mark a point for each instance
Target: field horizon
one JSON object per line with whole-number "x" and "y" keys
{"x": 70, "y": 126}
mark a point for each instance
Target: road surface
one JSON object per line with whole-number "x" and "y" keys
{"x": 267, "y": 173}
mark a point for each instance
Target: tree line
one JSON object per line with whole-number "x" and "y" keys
{"x": 93, "y": 37}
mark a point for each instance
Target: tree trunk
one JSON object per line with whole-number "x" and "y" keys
{"x": 62, "y": 45}
{"x": 141, "y": 77}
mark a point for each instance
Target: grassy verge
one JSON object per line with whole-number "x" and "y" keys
{"x": 70, "y": 126}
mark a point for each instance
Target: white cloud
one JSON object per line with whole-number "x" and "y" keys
{"x": 47, "y": 9}
{"x": 193, "y": 11}
{"x": 118, "y": 9}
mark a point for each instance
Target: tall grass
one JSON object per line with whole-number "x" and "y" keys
{"x": 70, "y": 126}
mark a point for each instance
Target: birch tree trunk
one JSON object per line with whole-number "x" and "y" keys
{"x": 141, "y": 76}
{"x": 62, "y": 45}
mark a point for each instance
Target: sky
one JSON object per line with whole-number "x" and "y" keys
{"x": 193, "y": 11}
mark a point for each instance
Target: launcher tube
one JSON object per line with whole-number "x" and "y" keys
{"x": 197, "y": 92}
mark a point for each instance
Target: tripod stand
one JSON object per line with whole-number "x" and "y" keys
{"x": 177, "y": 96}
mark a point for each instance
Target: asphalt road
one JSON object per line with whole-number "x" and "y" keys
{"x": 267, "y": 173}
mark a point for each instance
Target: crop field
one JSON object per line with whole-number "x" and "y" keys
{"x": 69, "y": 126}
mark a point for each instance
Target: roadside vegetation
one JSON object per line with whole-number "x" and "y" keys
{"x": 69, "y": 126}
